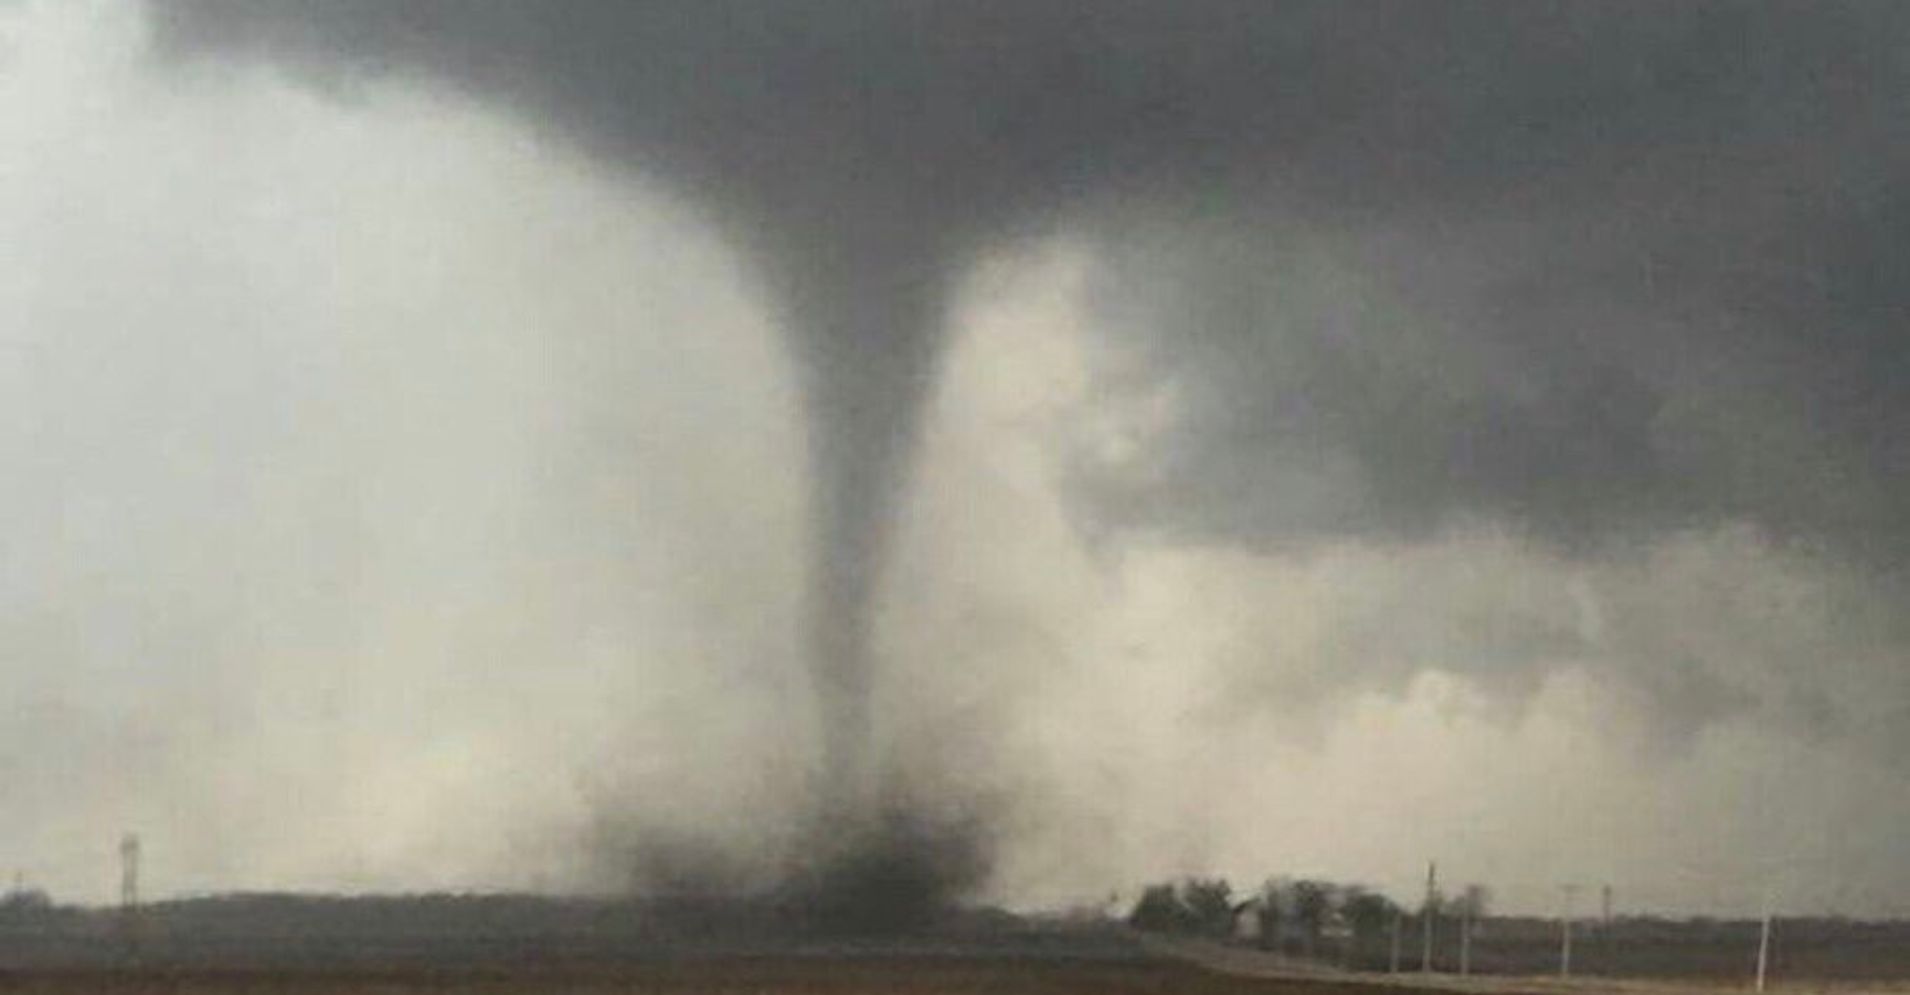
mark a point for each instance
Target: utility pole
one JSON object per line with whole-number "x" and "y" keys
{"x": 1426, "y": 917}
{"x": 129, "y": 893}
{"x": 1392, "y": 964}
{"x": 1566, "y": 891}
{"x": 1602, "y": 959}
{"x": 1465, "y": 938}
{"x": 1764, "y": 945}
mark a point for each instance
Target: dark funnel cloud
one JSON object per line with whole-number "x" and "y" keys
{"x": 1594, "y": 271}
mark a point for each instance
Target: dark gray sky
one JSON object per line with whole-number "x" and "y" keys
{"x": 1268, "y": 437}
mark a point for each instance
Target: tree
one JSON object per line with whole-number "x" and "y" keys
{"x": 1210, "y": 906}
{"x": 1272, "y": 909}
{"x": 1367, "y": 914}
{"x": 1196, "y": 905}
{"x": 1312, "y": 903}
{"x": 1159, "y": 910}
{"x": 1472, "y": 902}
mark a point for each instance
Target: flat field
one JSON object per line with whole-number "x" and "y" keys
{"x": 738, "y": 976}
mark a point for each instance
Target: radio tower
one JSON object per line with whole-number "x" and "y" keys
{"x": 129, "y": 893}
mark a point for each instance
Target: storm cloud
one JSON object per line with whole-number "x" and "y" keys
{"x": 1608, "y": 270}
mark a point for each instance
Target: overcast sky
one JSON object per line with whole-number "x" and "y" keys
{"x": 1350, "y": 439}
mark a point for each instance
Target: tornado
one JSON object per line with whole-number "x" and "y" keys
{"x": 850, "y": 239}
{"x": 865, "y": 317}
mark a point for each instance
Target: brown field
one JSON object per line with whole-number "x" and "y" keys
{"x": 851, "y": 975}
{"x": 740, "y": 976}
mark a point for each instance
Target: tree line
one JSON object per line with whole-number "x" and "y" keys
{"x": 1305, "y": 917}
